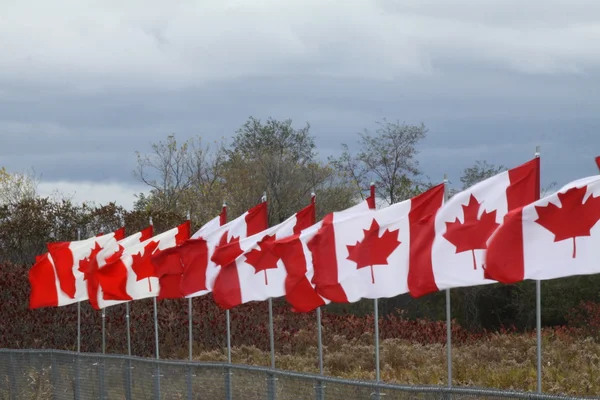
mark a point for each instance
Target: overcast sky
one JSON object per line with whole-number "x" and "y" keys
{"x": 84, "y": 84}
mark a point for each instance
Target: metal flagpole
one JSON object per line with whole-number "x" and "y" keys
{"x": 77, "y": 375}
{"x": 227, "y": 314}
{"x": 103, "y": 331}
{"x": 156, "y": 347}
{"x": 376, "y": 320}
{"x": 320, "y": 343}
{"x": 190, "y": 333}
{"x": 190, "y": 387}
{"x": 78, "y": 309}
{"x": 228, "y": 391}
{"x": 128, "y": 391}
{"x": 271, "y": 378}
{"x": 538, "y": 314}
{"x": 377, "y": 367}
{"x": 155, "y": 319}
{"x": 448, "y": 310}
{"x": 271, "y": 390}
{"x": 128, "y": 323}
{"x": 320, "y": 387}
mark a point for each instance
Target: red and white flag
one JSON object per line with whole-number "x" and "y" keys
{"x": 304, "y": 271}
{"x": 132, "y": 276}
{"x": 45, "y": 287}
{"x": 74, "y": 263}
{"x": 372, "y": 251}
{"x": 554, "y": 237}
{"x": 110, "y": 253}
{"x": 463, "y": 227}
{"x": 168, "y": 263}
{"x": 249, "y": 270}
{"x": 199, "y": 271}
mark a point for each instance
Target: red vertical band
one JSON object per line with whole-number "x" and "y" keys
{"x": 423, "y": 210}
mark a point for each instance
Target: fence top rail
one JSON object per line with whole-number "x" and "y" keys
{"x": 302, "y": 375}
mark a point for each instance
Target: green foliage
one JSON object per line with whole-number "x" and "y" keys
{"x": 387, "y": 158}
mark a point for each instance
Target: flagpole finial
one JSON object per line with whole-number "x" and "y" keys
{"x": 445, "y": 178}
{"x": 150, "y": 220}
{"x": 537, "y": 151}
{"x": 188, "y": 215}
{"x": 264, "y": 197}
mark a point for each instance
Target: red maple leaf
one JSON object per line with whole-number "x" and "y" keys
{"x": 89, "y": 265}
{"x": 573, "y": 219}
{"x": 115, "y": 256}
{"x": 473, "y": 233}
{"x": 226, "y": 251}
{"x": 373, "y": 250}
{"x": 142, "y": 264}
{"x": 262, "y": 258}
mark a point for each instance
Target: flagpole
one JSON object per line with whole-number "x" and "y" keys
{"x": 77, "y": 391}
{"x": 376, "y": 319}
{"x": 377, "y": 367}
{"x": 78, "y": 309}
{"x": 320, "y": 340}
{"x": 271, "y": 378}
{"x": 227, "y": 314}
{"x": 156, "y": 347}
{"x": 271, "y": 328}
{"x": 448, "y": 309}
{"x": 103, "y": 331}
{"x": 190, "y": 332}
{"x": 128, "y": 323}
{"x": 320, "y": 387}
{"x": 538, "y": 313}
{"x": 228, "y": 391}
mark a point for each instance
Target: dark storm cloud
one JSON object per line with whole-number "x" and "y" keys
{"x": 490, "y": 81}
{"x": 95, "y": 137}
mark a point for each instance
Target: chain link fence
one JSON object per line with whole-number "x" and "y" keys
{"x": 51, "y": 374}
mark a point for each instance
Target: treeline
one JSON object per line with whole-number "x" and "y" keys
{"x": 275, "y": 158}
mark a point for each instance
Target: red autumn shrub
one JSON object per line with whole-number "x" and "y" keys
{"x": 57, "y": 327}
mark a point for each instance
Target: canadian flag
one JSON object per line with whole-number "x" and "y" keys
{"x": 249, "y": 270}
{"x": 132, "y": 276}
{"x": 199, "y": 271}
{"x": 74, "y": 263}
{"x": 109, "y": 253}
{"x": 45, "y": 287}
{"x": 554, "y": 237}
{"x": 168, "y": 263}
{"x": 303, "y": 271}
{"x": 463, "y": 227}
{"x": 372, "y": 251}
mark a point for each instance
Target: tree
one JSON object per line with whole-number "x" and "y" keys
{"x": 15, "y": 187}
{"x": 182, "y": 178}
{"x": 387, "y": 158}
{"x": 276, "y": 158}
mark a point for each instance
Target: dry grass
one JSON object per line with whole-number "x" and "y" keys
{"x": 503, "y": 361}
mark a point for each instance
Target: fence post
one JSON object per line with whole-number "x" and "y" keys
{"x": 127, "y": 380}
{"x": 53, "y": 374}
{"x": 13, "y": 378}
{"x": 319, "y": 390}
{"x": 190, "y": 387}
{"x": 157, "y": 380}
{"x": 228, "y": 391}
{"x": 271, "y": 390}
{"x": 101, "y": 388}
